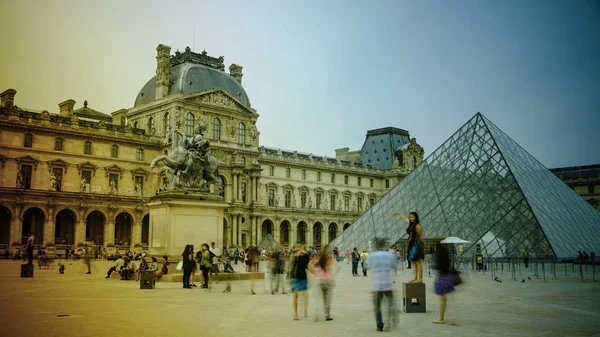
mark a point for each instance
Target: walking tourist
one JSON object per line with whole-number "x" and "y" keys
{"x": 363, "y": 261}
{"x": 416, "y": 244}
{"x": 347, "y": 257}
{"x": 297, "y": 272}
{"x": 236, "y": 255}
{"x": 253, "y": 256}
{"x": 526, "y": 257}
{"x": 194, "y": 268}
{"x": 382, "y": 262}
{"x": 277, "y": 270}
{"x": 30, "y": 241}
{"x": 355, "y": 259}
{"x": 444, "y": 282}
{"x": 324, "y": 269}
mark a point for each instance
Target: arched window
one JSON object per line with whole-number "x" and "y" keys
{"x": 216, "y": 128}
{"x": 135, "y": 125}
{"x": 166, "y": 124}
{"x": 241, "y": 134}
{"x": 87, "y": 147}
{"x": 189, "y": 124}
{"x": 150, "y": 125}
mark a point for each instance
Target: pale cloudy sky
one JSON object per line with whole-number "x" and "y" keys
{"x": 321, "y": 73}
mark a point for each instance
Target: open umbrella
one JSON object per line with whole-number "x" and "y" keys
{"x": 454, "y": 240}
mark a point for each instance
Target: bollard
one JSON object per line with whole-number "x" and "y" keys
{"x": 543, "y": 271}
{"x": 502, "y": 267}
{"x": 514, "y": 274}
{"x": 554, "y": 268}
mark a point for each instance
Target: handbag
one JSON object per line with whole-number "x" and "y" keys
{"x": 179, "y": 265}
{"x": 455, "y": 276}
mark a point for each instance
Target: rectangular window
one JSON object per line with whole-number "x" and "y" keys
{"x": 271, "y": 197}
{"x": 244, "y": 192}
{"x": 113, "y": 179}
{"x": 86, "y": 175}
{"x": 288, "y": 172}
{"x": 28, "y": 142}
{"x": 318, "y": 196}
{"x": 371, "y": 182}
{"x": 318, "y": 176}
{"x": 271, "y": 170}
{"x": 591, "y": 189}
{"x": 58, "y": 174}
{"x": 346, "y": 203}
{"x": 288, "y": 198}
{"x": 139, "y": 185}
{"x": 387, "y": 183}
{"x": 58, "y": 144}
{"x": 303, "y": 174}
{"x": 87, "y": 147}
{"x": 140, "y": 154}
{"x": 371, "y": 202}
{"x": 26, "y": 175}
{"x": 359, "y": 181}
{"x": 360, "y": 203}
{"x": 332, "y": 199}
{"x": 346, "y": 180}
{"x": 114, "y": 151}
{"x": 303, "y": 199}
{"x": 333, "y": 178}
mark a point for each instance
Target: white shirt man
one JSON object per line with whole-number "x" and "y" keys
{"x": 215, "y": 261}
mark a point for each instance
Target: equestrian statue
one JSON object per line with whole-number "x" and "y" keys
{"x": 190, "y": 167}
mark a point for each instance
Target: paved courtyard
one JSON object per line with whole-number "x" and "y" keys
{"x": 106, "y": 307}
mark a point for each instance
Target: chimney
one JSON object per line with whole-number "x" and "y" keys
{"x": 66, "y": 108}
{"x": 236, "y": 72}
{"x": 163, "y": 70}
{"x": 7, "y": 98}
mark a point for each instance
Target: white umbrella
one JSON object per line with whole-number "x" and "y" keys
{"x": 454, "y": 240}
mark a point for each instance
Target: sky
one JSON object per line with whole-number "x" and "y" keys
{"x": 322, "y": 73}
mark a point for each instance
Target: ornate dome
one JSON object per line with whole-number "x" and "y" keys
{"x": 189, "y": 78}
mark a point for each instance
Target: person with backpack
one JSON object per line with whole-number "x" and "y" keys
{"x": 355, "y": 258}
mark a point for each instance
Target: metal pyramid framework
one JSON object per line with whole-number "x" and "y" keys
{"x": 480, "y": 185}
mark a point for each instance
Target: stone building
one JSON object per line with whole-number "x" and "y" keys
{"x": 83, "y": 176}
{"x": 584, "y": 180}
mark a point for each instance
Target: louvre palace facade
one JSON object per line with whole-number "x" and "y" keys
{"x": 80, "y": 175}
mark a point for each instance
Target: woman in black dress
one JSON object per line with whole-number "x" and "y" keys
{"x": 416, "y": 244}
{"x": 187, "y": 259}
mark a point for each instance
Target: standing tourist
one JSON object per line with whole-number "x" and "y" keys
{"x": 253, "y": 256}
{"x": 382, "y": 262}
{"x": 236, "y": 255}
{"x": 526, "y": 257}
{"x": 355, "y": 259}
{"x": 299, "y": 281}
{"x": 194, "y": 268}
{"x": 324, "y": 269}
{"x": 444, "y": 283}
{"x": 188, "y": 259}
{"x": 347, "y": 256}
{"x": 29, "y": 246}
{"x": 363, "y": 261}
{"x": 416, "y": 244}
{"x": 205, "y": 263}
{"x": 215, "y": 262}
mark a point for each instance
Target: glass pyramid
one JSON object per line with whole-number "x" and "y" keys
{"x": 481, "y": 186}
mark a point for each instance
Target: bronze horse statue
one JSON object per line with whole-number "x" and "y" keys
{"x": 187, "y": 171}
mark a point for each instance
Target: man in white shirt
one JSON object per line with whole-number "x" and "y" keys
{"x": 381, "y": 263}
{"x": 215, "y": 262}
{"x": 30, "y": 241}
{"x": 117, "y": 266}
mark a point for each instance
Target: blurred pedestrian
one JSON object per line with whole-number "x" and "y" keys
{"x": 382, "y": 262}
{"x": 188, "y": 259}
{"x": 324, "y": 268}
{"x": 297, "y": 272}
{"x": 444, "y": 282}
{"x": 363, "y": 261}
{"x": 253, "y": 256}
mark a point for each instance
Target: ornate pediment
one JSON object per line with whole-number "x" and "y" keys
{"x": 87, "y": 166}
{"x": 303, "y": 188}
{"x": 220, "y": 99}
{"x": 28, "y": 160}
{"x": 288, "y": 187}
{"x": 58, "y": 163}
{"x": 319, "y": 190}
{"x": 139, "y": 172}
{"x": 333, "y": 191}
{"x": 114, "y": 169}
{"x": 346, "y": 192}
{"x": 271, "y": 185}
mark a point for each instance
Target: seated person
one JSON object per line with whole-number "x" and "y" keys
{"x": 143, "y": 266}
{"x": 41, "y": 258}
{"x": 128, "y": 269}
{"x": 166, "y": 267}
{"x": 153, "y": 266}
{"x": 119, "y": 264}
{"x": 225, "y": 260}
{"x": 5, "y": 253}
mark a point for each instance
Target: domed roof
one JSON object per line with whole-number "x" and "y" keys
{"x": 190, "y": 78}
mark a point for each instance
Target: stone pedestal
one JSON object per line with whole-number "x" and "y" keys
{"x": 413, "y": 297}
{"x": 27, "y": 270}
{"x": 179, "y": 218}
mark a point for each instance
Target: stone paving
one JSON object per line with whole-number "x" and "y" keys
{"x": 106, "y": 307}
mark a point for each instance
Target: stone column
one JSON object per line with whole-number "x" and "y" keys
{"x": 49, "y": 230}
{"x": 79, "y": 235}
{"x": 309, "y": 234}
{"x": 258, "y": 230}
{"x": 109, "y": 233}
{"x": 234, "y": 195}
{"x": 234, "y": 230}
{"x": 257, "y": 189}
{"x": 239, "y": 188}
{"x": 136, "y": 235}
{"x": 254, "y": 221}
{"x": 277, "y": 231}
{"x": 16, "y": 225}
{"x": 293, "y": 232}
{"x": 251, "y": 189}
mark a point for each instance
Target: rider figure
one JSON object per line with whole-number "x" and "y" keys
{"x": 196, "y": 145}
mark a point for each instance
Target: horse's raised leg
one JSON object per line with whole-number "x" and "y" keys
{"x": 168, "y": 161}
